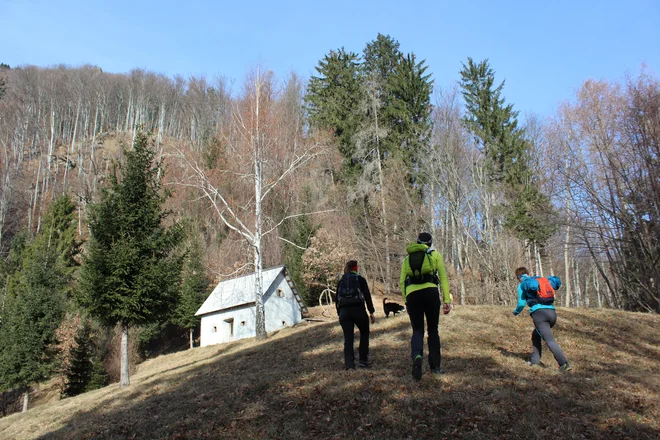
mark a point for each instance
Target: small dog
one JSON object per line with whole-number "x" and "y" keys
{"x": 391, "y": 307}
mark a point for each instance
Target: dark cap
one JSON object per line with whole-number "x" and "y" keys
{"x": 425, "y": 238}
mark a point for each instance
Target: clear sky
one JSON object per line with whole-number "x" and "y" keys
{"x": 544, "y": 49}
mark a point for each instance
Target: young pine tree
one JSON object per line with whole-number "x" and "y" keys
{"x": 194, "y": 287}
{"x": 299, "y": 231}
{"x": 131, "y": 272}
{"x": 40, "y": 276}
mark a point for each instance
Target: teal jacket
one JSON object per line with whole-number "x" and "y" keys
{"x": 527, "y": 294}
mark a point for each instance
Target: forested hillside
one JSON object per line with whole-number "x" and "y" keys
{"x": 351, "y": 163}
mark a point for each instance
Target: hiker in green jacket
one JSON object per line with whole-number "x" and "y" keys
{"x": 421, "y": 273}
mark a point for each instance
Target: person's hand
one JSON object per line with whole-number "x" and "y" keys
{"x": 446, "y": 308}
{"x": 373, "y": 318}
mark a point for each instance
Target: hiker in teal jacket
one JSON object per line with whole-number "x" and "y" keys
{"x": 422, "y": 272}
{"x": 543, "y": 314}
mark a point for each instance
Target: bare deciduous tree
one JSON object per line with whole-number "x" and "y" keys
{"x": 259, "y": 164}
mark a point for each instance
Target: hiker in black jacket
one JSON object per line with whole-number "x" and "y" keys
{"x": 351, "y": 297}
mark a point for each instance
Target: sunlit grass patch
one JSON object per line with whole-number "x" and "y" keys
{"x": 293, "y": 386}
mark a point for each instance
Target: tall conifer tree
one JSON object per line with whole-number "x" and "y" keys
{"x": 495, "y": 126}
{"x": 131, "y": 271}
{"x": 333, "y": 99}
{"x": 409, "y": 113}
{"x": 35, "y": 298}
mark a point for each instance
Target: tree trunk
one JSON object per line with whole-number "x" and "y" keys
{"x": 577, "y": 291}
{"x": 585, "y": 292}
{"x": 92, "y": 166}
{"x": 388, "y": 260}
{"x": 161, "y": 125}
{"x": 26, "y": 399}
{"x": 36, "y": 195}
{"x": 597, "y": 288}
{"x": 5, "y": 200}
{"x": 539, "y": 261}
{"x": 459, "y": 266}
{"x": 127, "y": 126}
{"x": 567, "y": 273}
{"x": 124, "y": 380}
{"x": 528, "y": 254}
{"x": 257, "y": 148}
{"x": 72, "y": 148}
{"x": 567, "y": 269}
{"x": 192, "y": 344}
{"x": 50, "y": 146}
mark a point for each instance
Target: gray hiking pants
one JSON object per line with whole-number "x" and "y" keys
{"x": 544, "y": 320}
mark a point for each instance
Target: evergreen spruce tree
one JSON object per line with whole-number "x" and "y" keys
{"x": 495, "y": 126}
{"x": 493, "y": 122}
{"x": 35, "y": 300}
{"x": 299, "y": 231}
{"x": 333, "y": 99}
{"x": 194, "y": 287}
{"x": 381, "y": 58}
{"x": 3, "y": 80}
{"x": 99, "y": 377}
{"x": 33, "y": 309}
{"x": 131, "y": 272}
{"x": 79, "y": 371}
{"x": 59, "y": 231}
{"x": 80, "y": 360}
{"x": 409, "y": 113}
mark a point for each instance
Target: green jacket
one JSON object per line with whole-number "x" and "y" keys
{"x": 432, "y": 263}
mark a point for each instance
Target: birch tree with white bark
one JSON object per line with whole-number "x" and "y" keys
{"x": 257, "y": 164}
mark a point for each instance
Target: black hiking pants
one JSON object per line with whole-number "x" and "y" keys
{"x": 420, "y": 304}
{"x": 349, "y": 317}
{"x": 544, "y": 320}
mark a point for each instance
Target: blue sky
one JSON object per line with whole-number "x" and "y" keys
{"x": 544, "y": 50}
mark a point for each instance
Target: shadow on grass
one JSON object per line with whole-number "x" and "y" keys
{"x": 293, "y": 387}
{"x": 512, "y": 354}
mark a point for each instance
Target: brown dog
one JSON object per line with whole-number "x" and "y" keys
{"x": 392, "y": 307}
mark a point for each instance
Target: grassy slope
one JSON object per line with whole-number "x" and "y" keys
{"x": 292, "y": 386}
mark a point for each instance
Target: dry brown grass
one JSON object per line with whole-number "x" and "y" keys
{"x": 292, "y": 386}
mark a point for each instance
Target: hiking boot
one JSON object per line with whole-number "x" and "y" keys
{"x": 417, "y": 368}
{"x": 533, "y": 365}
{"x": 565, "y": 368}
{"x": 437, "y": 370}
{"x": 349, "y": 367}
{"x": 364, "y": 364}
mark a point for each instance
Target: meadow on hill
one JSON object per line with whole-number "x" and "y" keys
{"x": 293, "y": 386}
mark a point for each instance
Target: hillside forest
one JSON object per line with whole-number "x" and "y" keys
{"x": 124, "y": 198}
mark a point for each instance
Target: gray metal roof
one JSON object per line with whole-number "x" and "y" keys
{"x": 237, "y": 291}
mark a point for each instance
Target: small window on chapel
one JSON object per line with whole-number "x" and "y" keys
{"x": 230, "y": 326}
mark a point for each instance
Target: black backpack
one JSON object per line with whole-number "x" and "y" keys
{"x": 349, "y": 293}
{"x": 416, "y": 261}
